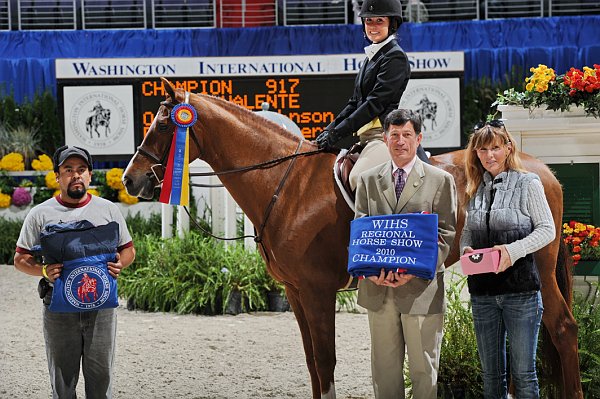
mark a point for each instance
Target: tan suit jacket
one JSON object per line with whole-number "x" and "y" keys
{"x": 427, "y": 189}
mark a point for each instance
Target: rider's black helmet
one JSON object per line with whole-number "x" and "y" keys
{"x": 383, "y": 8}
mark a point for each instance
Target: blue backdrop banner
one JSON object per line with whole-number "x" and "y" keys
{"x": 492, "y": 48}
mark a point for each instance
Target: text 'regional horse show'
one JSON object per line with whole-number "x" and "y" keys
{"x": 304, "y": 241}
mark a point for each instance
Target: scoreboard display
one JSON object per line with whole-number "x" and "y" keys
{"x": 312, "y": 102}
{"x": 109, "y": 104}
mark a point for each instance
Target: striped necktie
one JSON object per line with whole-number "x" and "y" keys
{"x": 399, "y": 177}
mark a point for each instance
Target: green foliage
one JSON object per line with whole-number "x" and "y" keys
{"x": 587, "y": 314}
{"x": 346, "y": 301}
{"x": 20, "y": 139}
{"x": 460, "y": 369}
{"x": 39, "y": 115}
{"x": 7, "y": 183}
{"x": 8, "y": 239}
{"x": 193, "y": 274}
{"x": 480, "y": 95}
{"x": 99, "y": 181}
{"x": 140, "y": 226}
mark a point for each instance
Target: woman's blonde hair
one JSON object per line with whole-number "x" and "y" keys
{"x": 490, "y": 134}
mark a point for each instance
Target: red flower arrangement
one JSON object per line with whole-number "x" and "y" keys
{"x": 582, "y": 241}
{"x": 586, "y": 81}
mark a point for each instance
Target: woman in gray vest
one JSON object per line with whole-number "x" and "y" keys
{"x": 507, "y": 210}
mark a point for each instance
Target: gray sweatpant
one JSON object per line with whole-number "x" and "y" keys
{"x": 86, "y": 337}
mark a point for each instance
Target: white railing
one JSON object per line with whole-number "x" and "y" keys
{"x": 163, "y": 14}
{"x": 569, "y": 7}
{"x": 316, "y": 12}
{"x": 5, "y": 15}
{"x": 117, "y": 14}
{"x": 513, "y": 8}
{"x": 46, "y": 14}
{"x": 224, "y": 212}
{"x": 184, "y": 14}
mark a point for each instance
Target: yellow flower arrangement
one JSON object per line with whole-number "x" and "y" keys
{"x": 4, "y": 200}
{"x": 13, "y": 162}
{"x": 51, "y": 180}
{"x": 542, "y": 75}
{"x": 125, "y": 198}
{"x": 43, "y": 162}
{"x": 56, "y": 193}
{"x": 114, "y": 179}
{"x": 93, "y": 191}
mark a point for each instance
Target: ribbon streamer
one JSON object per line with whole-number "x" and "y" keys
{"x": 176, "y": 183}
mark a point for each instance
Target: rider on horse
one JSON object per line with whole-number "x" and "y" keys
{"x": 380, "y": 83}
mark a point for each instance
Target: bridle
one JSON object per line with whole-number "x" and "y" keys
{"x": 160, "y": 164}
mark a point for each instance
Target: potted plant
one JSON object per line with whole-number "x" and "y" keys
{"x": 276, "y": 298}
{"x": 460, "y": 370}
{"x": 582, "y": 241}
{"x": 247, "y": 281}
{"x": 545, "y": 89}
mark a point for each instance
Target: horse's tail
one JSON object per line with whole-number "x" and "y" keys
{"x": 550, "y": 366}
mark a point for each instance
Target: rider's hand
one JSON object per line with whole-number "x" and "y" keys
{"x": 323, "y": 140}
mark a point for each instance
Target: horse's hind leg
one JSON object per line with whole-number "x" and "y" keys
{"x": 559, "y": 321}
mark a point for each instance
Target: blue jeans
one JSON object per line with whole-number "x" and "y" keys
{"x": 86, "y": 337}
{"x": 517, "y": 316}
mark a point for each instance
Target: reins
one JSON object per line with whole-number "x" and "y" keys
{"x": 258, "y": 237}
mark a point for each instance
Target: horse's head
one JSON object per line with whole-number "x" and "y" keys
{"x": 146, "y": 169}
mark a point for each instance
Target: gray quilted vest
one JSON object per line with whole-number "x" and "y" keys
{"x": 498, "y": 215}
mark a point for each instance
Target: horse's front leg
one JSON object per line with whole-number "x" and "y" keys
{"x": 314, "y": 307}
{"x": 319, "y": 308}
{"x": 294, "y": 300}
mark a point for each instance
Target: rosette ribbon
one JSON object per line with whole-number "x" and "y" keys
{"x": 176, "y": 183}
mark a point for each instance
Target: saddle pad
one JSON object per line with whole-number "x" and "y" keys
{"x": 399, "y": 242}
{"x": 348, "y": 197}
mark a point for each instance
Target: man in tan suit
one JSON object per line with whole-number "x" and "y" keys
{"x": 406, "y": 313}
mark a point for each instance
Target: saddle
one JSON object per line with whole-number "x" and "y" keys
{"x": 342, "y": 168}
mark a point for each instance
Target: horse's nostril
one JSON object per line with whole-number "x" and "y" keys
{"x": 126, "y": 181}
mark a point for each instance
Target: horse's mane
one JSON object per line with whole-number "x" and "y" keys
{"x": 245, "y": 114}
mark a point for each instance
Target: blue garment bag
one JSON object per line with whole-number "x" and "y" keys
{"x": 84, "y": 250}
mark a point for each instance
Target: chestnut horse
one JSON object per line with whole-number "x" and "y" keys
{"x": 304, "y": 235}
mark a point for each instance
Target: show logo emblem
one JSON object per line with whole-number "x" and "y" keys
{"x": 436, "y": 108}
{"x": 99, "y": 119}
{"x": 87, "y": 287}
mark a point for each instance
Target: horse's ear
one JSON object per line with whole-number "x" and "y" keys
{"x": 170, "y": 89}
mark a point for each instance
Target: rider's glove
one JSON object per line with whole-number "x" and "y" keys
{"x": 327, "y": 139}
